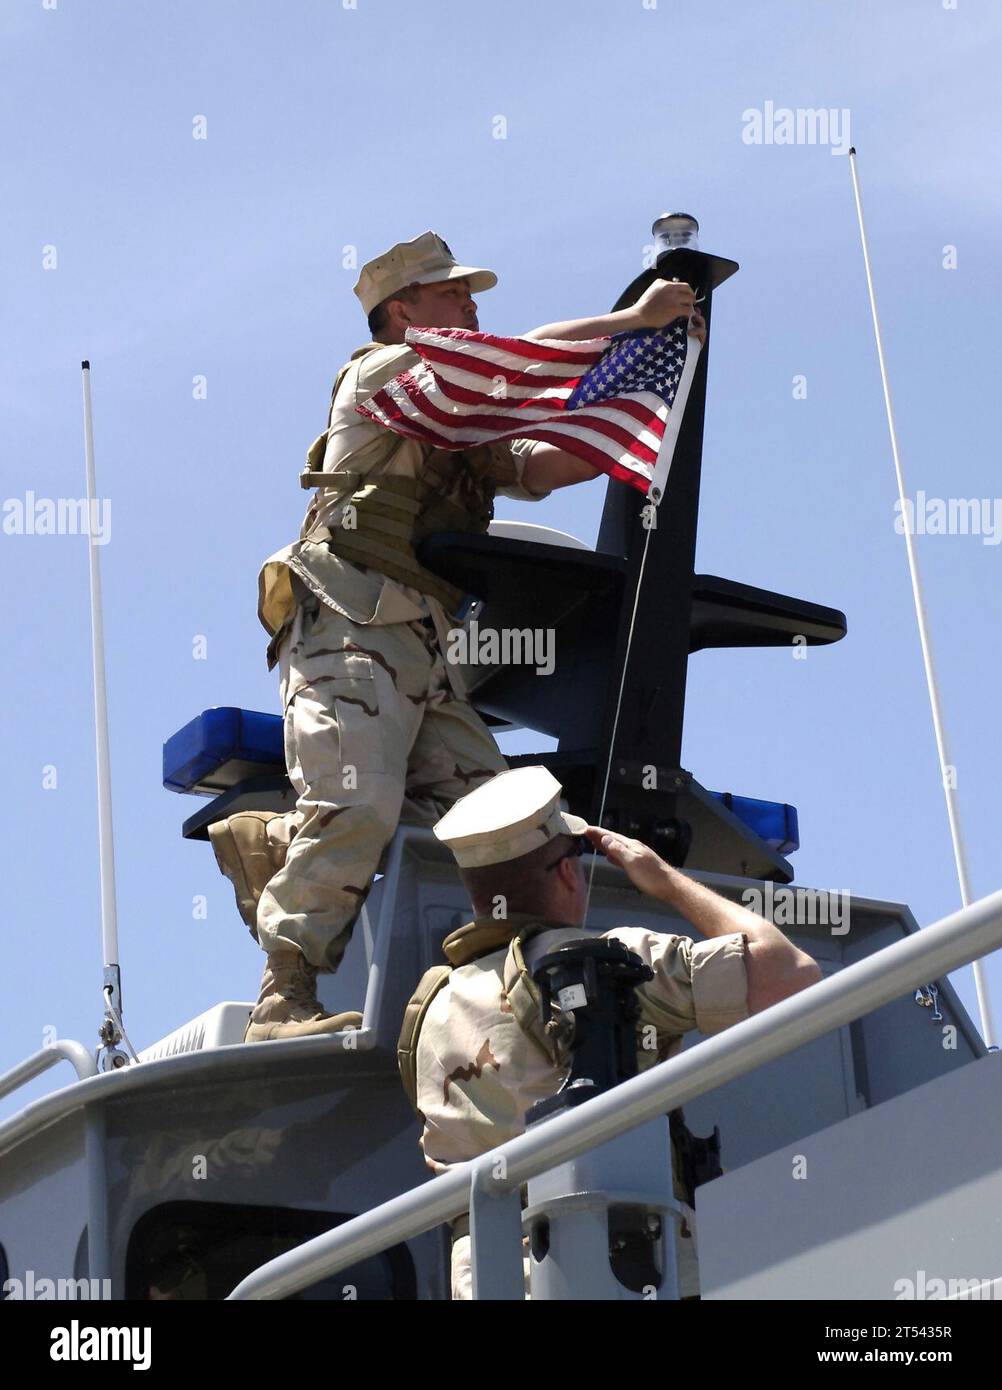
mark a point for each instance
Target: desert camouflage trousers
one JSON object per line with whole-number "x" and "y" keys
{"x": 373, "y": 734}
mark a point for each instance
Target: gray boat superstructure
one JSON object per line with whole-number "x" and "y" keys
{"x": 861, "y": 1152}
{"x": 214, "y": 1156}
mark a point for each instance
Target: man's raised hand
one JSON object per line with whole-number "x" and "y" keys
{"x": 663, "y": 302}
{"x": 642, "y": 866}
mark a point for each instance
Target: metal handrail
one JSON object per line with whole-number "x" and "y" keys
{"x": 66, "y": 1050}
{"x": 886, "y": 975}
{"x": 62, "y": 1050}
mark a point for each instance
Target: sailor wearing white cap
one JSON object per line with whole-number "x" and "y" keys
{"x": 474, "y": 1047}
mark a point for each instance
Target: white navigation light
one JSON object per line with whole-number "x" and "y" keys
{"x": 673, "y": 230}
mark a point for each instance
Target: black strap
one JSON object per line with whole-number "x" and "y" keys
{"x": 698, "y": 1159}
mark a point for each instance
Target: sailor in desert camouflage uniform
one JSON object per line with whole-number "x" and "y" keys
{"x": 474, "y": 1043}
{"x": 377, "y": 725}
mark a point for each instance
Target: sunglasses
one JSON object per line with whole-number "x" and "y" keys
{"x": 577, "y": 848}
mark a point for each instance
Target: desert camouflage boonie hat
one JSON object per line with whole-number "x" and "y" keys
{"x": 424, "y": 261}
{"x": 511, "y": 815}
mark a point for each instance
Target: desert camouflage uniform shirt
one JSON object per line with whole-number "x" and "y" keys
{"x": 478, "y": 1073}
{"x": 356, "y": 445}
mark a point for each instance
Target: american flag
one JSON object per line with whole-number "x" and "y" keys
{"x": 605, "y": 400}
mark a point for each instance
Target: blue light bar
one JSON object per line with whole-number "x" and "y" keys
{"x": 221, "y": 747}
{"x": 774, "y": 821}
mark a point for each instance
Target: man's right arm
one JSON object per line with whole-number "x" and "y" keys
{"x": 661, "y": 303}
{"x": 550, "y": 467}
{"x": 776, "y": 968}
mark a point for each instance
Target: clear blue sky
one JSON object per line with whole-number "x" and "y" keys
{"x": 330, "y": 128}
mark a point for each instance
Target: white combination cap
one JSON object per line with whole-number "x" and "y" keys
{"x": 511, "y": 815}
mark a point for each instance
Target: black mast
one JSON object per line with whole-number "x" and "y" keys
{"x": 587, "y": 598}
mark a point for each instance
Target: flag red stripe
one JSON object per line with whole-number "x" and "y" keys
{"x": 476, "y": 367}
{"x": 626, "y": 475}
{"x": 463, "y": 395}
{"x": 595, "y": 457}
{"x": 497, "y": 424}
{"x": 509, "y": 416}
{"x": 435, "y": 403}
{"x": 407, "y": 424}
{"x": 466, "y": 395}
{"x": 518, "y": 347}
{"x": 570, "y": 444}
{"x": 500, "y": 417}
{"x": 628, "y": 442}
{"x": 640, "y": 412}
{"x": 509, "y": 423}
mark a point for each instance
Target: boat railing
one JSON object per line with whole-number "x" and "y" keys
{"x": 488, "y": 1187}
{"x": 59, "y": 1050}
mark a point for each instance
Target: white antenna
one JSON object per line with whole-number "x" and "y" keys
{"x": 111, "y": 1031}
{"x": 945, "y": 766}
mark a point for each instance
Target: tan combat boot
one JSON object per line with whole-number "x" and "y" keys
{"x": 250, "y": 848}
{"x": 287, "y": 1006}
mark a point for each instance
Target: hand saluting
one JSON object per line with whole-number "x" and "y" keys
{"x": 645, "y": 869}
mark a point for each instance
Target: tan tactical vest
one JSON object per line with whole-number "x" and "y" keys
{"x": 390, "y": 515}
{"x": 469, "y": 943}
{"x": 482, "y": 938}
